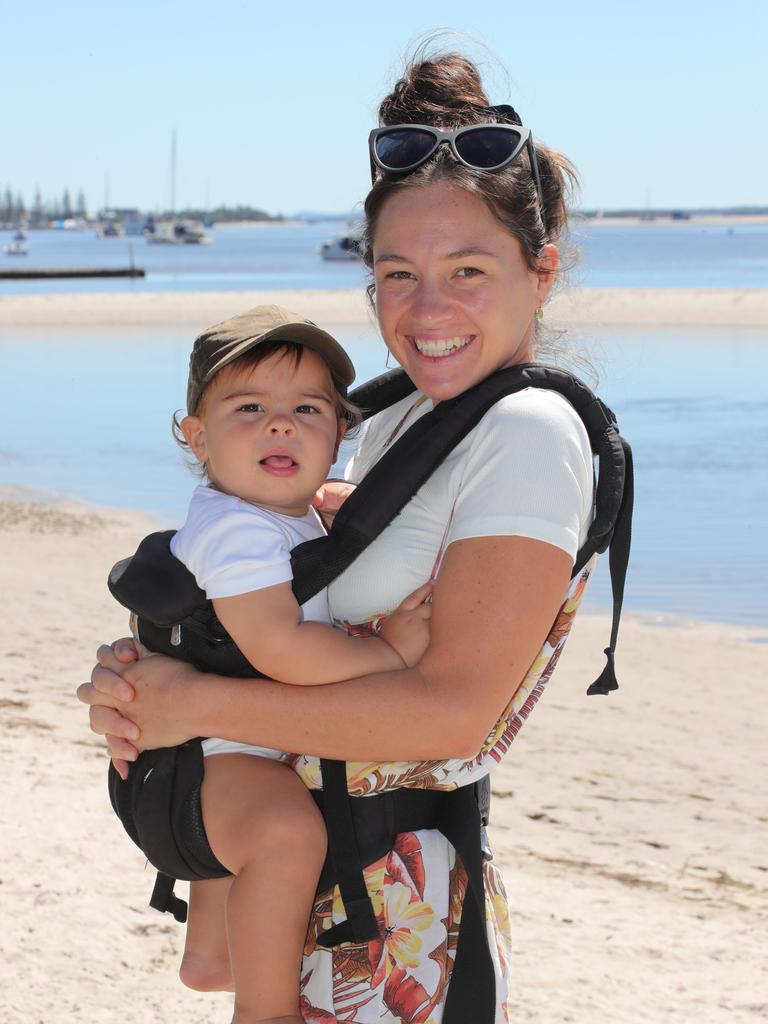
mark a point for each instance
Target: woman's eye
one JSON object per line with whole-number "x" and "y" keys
{"x": 398, "y": 275}
{"x": 468, "y": 272}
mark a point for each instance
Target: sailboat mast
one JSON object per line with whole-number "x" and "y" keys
{"x": 173, "y": 172}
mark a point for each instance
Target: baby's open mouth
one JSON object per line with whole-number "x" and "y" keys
{"x": 278, "y": 461}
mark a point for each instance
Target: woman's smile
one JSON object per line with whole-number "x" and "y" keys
{"x": 439, "y": 348}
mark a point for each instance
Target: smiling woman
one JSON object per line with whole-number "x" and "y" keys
{"x": 464, "y": 252}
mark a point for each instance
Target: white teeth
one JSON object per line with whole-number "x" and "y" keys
{"x": 442, "y": 346}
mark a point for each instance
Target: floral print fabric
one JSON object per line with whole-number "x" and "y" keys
{"x": 417, "y": 890}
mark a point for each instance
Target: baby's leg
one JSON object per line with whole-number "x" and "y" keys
{"x": 205, "y": 964}
{"x": 264, "y": 827}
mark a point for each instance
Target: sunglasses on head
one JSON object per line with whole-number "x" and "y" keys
{"x": 401, "y": 148}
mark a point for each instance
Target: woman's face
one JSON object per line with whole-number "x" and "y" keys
{"x": 454, "y": 298}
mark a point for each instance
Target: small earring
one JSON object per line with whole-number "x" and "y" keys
{"x": 387, "y": 364}
{"x": 539, "y": 314}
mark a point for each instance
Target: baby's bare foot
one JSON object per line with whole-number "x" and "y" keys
{"x": 206, "y": 975}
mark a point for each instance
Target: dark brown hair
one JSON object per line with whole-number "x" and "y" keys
{"x": 445, "y": 90}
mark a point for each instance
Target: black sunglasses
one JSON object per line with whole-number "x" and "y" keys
{"x": 401, "y": 148}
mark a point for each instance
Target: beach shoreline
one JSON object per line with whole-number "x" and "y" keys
{"x": 657, "y": 307}
{"x": 626, "y": 827}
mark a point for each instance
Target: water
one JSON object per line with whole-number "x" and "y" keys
{"x": 240, "y": 258}
{"x": 284, "y": 256}
{"x": 86, "y": 414}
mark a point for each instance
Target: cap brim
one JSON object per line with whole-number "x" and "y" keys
{"x": 305, "y": 334}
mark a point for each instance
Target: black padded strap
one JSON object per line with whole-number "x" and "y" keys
{"x": 165, "y": 900}
{"x": 472, "y": 989}
{"x": 361, "y": 924}
{"x": 618, "y": 561}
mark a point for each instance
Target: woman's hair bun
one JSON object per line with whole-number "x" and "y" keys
{"x": 445, "y": 90}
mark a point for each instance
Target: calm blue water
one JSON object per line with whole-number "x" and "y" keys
{"x": 284, "y": 256}
{"x": 87, "y": 415}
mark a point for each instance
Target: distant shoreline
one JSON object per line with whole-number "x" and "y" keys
{"x": 612, "y": 218}
{"x": 659, "y": 307}
{"x": 664, "y": 220}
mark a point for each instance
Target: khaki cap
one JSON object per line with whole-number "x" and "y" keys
{"x": 222, "y": 343}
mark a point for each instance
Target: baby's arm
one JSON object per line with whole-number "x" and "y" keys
{"x": 266, "y": 625}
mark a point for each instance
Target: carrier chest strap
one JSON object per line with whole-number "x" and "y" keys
{"x": 412, "y": 459}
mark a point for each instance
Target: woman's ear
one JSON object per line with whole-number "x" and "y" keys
{"x": 549, "y": 258}
{"x": 193, "y": 429}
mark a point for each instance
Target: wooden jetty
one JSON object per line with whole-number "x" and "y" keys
{"x": 30, "y": 273}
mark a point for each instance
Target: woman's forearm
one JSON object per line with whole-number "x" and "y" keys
{"x": 391, "y": 716}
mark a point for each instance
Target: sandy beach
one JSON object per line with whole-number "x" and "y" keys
{"x": 632, "y": 830}
{"x": 680, "y": 307}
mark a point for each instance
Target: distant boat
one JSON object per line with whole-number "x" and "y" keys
{"x": 16, "y": 248}
{"x": 180, "y": 232}
{"x": 110, "y": 229}
{"x": 342, "y": 247}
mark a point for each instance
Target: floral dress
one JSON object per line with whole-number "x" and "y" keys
{"x": 418, "y": 888}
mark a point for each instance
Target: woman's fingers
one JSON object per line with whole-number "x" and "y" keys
{"x": 125, "y": 650}
{"x": 110, "y": 723}
{"x": 107, "y": 679}
{"x": 121, "y": 767}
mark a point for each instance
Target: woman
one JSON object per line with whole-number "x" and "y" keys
{"x": 461, "y": 234}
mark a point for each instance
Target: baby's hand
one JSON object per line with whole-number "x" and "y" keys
{"x": 407, "y": 628}
{"x": 329, "y": 499}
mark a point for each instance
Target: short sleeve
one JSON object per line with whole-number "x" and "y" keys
{"x": 528, "y": 473}
{"x": 234, "y": 552}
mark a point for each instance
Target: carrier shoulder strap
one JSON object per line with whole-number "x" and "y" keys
{"x": 413, "y": 458}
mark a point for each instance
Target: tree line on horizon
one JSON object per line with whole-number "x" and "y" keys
{"x": 13, "y": 210}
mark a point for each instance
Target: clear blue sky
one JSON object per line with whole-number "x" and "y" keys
{"x": 662, "y": 102}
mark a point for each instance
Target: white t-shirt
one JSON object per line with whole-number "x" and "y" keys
{"x": 232, "y": 547}
{"x": 526, "y": 470}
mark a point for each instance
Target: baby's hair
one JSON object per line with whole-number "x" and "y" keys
{"x": 345, "y": 410}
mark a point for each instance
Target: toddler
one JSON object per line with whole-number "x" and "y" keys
{"x": 267, "y": 410}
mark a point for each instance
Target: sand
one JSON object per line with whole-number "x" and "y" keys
{"x": 632, "y": 830}
{"x": 681, "y": 307}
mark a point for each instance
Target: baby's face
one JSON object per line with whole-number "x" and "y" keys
{"x": 269, "y": 433}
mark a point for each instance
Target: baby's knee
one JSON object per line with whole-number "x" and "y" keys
{"x": 295, "y": 825}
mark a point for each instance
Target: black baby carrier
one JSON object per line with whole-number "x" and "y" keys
{"x": 159, "y": 803}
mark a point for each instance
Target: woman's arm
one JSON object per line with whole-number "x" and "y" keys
{"x": 494, "y": 602}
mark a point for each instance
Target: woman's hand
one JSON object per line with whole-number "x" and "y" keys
{"x": 138, "y": 704}
{"x": 329, "y": 499}
{"x": 106, "y": 720}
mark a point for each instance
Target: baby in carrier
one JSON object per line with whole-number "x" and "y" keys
{"x": 267, "y": 410}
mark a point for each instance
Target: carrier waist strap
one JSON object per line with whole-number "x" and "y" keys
{"x": 363, "y": 829}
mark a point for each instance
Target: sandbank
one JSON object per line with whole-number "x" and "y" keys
{"x": 657, "y": 307}
{"x": 631, "y": 829}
